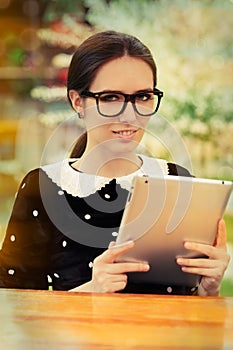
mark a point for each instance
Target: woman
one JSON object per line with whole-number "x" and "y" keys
{"x": 65, "y": 217}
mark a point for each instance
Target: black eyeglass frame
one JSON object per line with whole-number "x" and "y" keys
{"x": 128, "y": 98}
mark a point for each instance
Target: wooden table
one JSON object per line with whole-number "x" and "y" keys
{"x": 83, "y": 321}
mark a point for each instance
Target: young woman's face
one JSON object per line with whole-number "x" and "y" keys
{"x": 121, "y": 133}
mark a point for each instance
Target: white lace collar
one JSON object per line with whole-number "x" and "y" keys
{"x": 82, "y": 184}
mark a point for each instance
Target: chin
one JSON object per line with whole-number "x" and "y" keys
{"x": 123, "y": 147}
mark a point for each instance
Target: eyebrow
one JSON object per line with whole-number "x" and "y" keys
{"x": 121, "y": 92}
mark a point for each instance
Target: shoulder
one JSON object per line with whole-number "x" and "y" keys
{"x": 30, "y": 180}
{"x": 152, "y": 166}
{"x": 50, "y": 172}
{"x": 59, "y": 172}
{"x": 178, "y": 170}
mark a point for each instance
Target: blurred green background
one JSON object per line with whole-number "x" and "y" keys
{"x": 191, "y": 41}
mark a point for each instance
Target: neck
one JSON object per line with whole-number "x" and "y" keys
{"x": 104, "y": 165}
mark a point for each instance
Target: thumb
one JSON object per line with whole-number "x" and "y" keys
{"x": 221, "y": 236}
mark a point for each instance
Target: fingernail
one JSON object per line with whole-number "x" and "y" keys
{"x": 111, "y": 244}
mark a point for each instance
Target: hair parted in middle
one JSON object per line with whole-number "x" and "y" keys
{"x": 92, "y": 54}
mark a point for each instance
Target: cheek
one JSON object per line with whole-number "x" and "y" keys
{"x": 140, "y": 135}
{"x": 99, "y": 135}
{"x": 143, "y": 123}
{"x": 93, "y": 120}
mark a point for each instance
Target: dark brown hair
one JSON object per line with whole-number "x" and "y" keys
{"x": 92, "y": 54}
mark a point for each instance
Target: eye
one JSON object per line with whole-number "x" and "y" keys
{"x": 110, "y": 97}
{"x": 144, "y": 97}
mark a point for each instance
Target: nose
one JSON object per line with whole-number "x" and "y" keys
{"x": 129, "y": 114}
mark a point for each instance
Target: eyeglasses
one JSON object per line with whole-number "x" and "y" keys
{"x": 113, "y": 103}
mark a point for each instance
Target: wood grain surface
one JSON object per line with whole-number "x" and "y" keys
{"x": 68, "y": 320}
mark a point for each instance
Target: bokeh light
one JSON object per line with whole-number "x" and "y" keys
{"x": 28, "y": 39}
{"x": 4, "y": 4}
{"x": 31, "y": 8}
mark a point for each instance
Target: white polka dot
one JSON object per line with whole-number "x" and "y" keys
{"x": 90, "y": 264}
{"x": 107, "y": 195}
{"x": 64, "y": 244}
{"x": 114, "y": 234}
{"x": 23, "y": 185}
{"x": 193, "y": 289}
{"x": 169, "y": 289}
{"x": 87, "y": 216}
{"x": 11, "y": 272}
{"x": 35, "y": 213}
{"x": 56, "y": 275}
{"x": 60, "y": 192}
{"x": 12, "y": 238}
{"x": 49, "y": 279}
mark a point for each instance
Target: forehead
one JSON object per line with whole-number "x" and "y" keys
{"x": 126, "y": 74}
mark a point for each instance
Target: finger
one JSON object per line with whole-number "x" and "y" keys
{"x": 114, "y": 251}
{"x": 114, "y": 282}
{"x": 200, "y": 271}
{"x": 122, "y": 268}
{"x": 205, "y": 249}
{"x": 221, "y": 237}
{"x": 112, "y": 278}
{"x": 206, "y": 263}
{"x": 198, "y": 247}
{"x": 116, "y": 286}
{"x": 119, "y": 278}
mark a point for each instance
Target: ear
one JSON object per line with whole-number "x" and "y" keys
{"x": 77, "y": 102}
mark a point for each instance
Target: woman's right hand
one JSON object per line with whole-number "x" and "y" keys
{"x": 109, "y": 276}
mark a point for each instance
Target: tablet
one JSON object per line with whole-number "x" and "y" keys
{"x": 162, "y": 213}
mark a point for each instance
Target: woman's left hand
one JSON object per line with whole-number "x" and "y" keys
{"x": 212, "y": 269}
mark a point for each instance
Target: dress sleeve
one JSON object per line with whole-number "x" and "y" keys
{"x": 24, "y": 257}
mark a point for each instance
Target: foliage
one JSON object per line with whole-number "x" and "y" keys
{"x": 194, "y": 58}
{"x": 55, "y": 9}
{"x": 229, "y": 224}
{"x": 226, "y": 288}
{"x": 199, "y": 115}
{"x": 193, "y": 54}
{"x": 191, "y": 49}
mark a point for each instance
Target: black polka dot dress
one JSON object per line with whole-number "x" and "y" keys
{"x": 62, "y": 220}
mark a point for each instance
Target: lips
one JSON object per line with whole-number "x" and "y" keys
{"x": 125, "y": 134}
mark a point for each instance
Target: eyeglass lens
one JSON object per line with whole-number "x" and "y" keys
{"x": 112, "y": 104}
